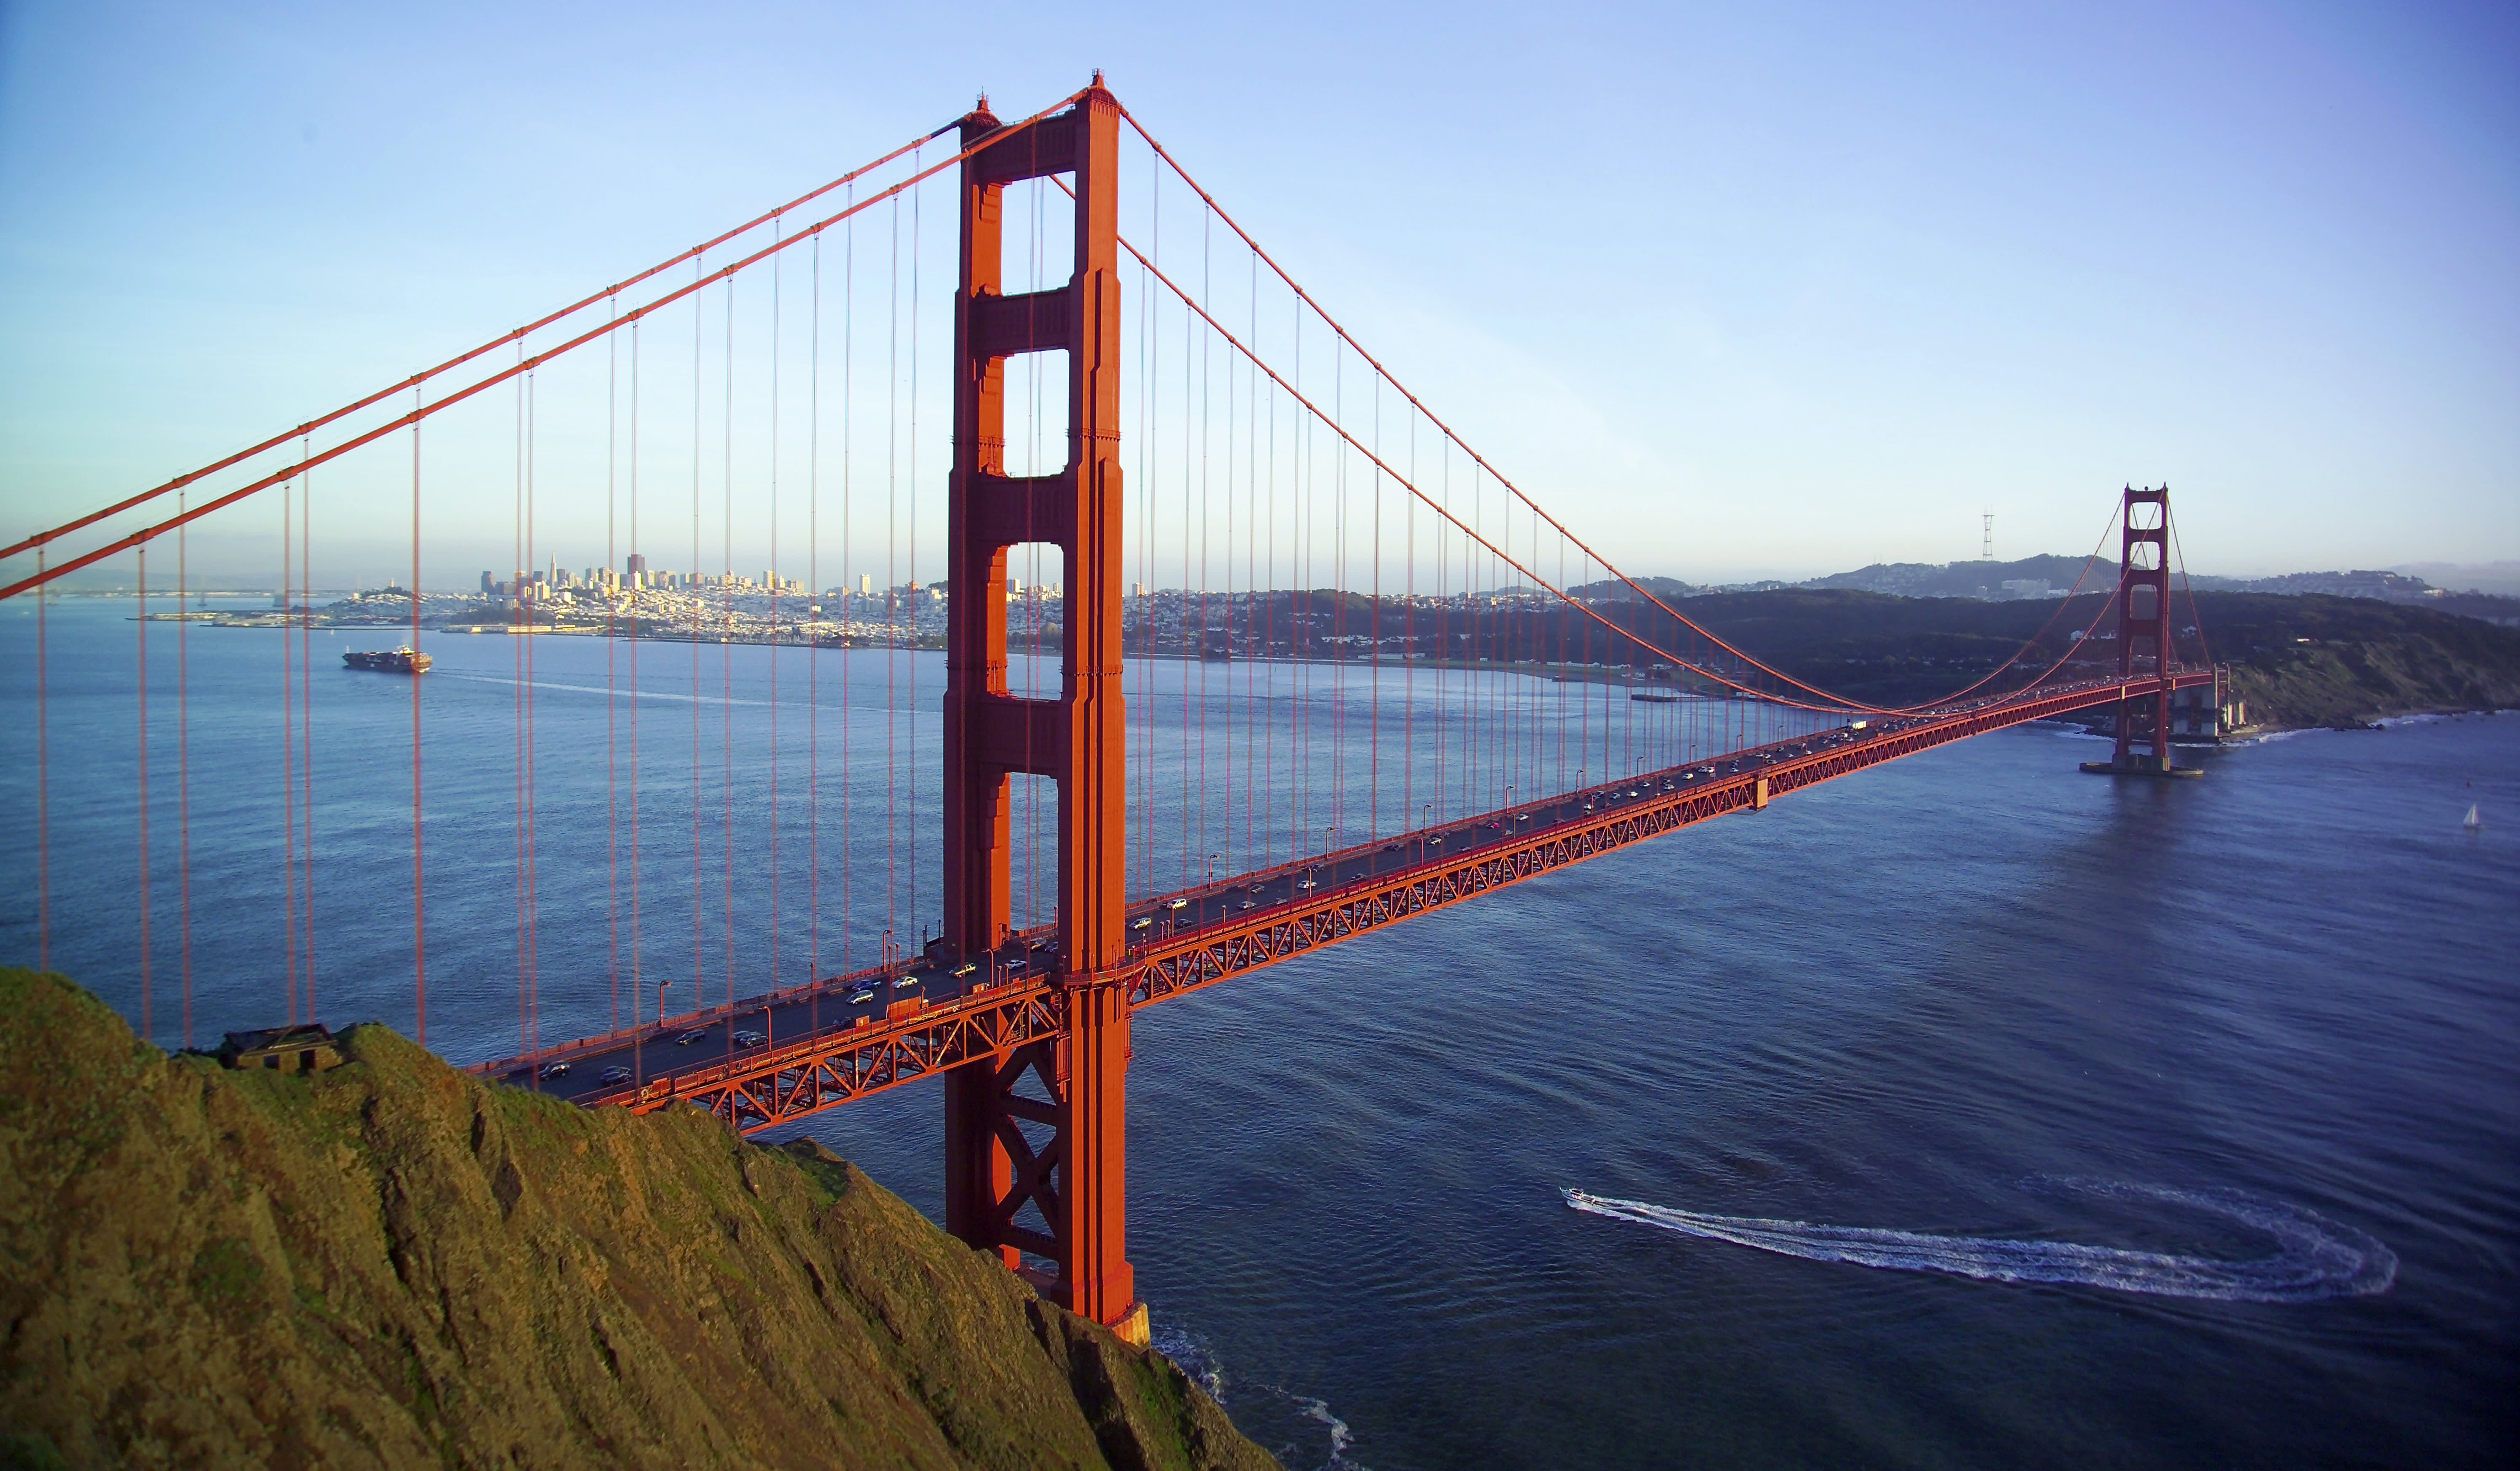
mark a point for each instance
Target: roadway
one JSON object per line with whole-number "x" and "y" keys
{"x": 773, "y": 1059}
{"x": 703, "y": 1041}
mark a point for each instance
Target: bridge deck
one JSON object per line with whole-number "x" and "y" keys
{"x": 819, "y": 1049}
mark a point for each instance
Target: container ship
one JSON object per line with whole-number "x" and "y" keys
{"x": 402, "y": 661}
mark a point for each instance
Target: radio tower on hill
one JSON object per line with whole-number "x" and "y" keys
{"x": 1986, "y": 548}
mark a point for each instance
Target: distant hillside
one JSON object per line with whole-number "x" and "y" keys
{"x": 394, "y": 1265}
{"x": 2049, "y": 577}
{"x": 2500, "y": 579}
{"x": 1973, "y": 579}
{"x": 2296, "y": 659}
{"x": 1611, "y": 590}
{"x": 2326, "y": 660}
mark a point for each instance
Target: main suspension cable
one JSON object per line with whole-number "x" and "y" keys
{"x": 1829, "y": 700}
{"x": 517, "y": 335}
{"x": 421, "y": 411}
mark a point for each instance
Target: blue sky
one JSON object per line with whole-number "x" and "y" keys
{"x": 1769, "y": 290}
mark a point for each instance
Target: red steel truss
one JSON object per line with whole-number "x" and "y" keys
{"x": 768, "y": 1088}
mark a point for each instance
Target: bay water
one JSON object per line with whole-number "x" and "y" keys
{"x": 1968, "y": 1111}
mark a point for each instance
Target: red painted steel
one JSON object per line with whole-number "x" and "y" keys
{"x": 767, "y": 1088}
{"x": 424, "y": 375}
{"x": 1078, "y": 1183}
{"x": 419, "y": 412}
{"x": 2149, "y": 545}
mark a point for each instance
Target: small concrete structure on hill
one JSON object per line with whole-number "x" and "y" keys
{"x": 287, "y": 1049}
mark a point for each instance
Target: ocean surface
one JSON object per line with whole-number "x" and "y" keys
{"x": 1968, "y": 1111}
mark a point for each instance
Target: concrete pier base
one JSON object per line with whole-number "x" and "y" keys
{"x": 2140, "y": 766}
{"x": 1134, "y": 1327}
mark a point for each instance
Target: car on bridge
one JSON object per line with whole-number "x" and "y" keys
{"x": 614, "y": 1073}
{"x": 861, "y": 995}
{"x": 908, "y": 980}
{"x": 553, "y": 1069}
{"x": 692, "y": 1035}
{"x": 750, "y": 1040}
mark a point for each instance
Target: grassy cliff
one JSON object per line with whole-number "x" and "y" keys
{"x": 392, "y": 1263}
{"x": 2323, "y": 660}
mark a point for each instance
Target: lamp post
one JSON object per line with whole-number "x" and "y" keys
{"x": 638, "y": 1042}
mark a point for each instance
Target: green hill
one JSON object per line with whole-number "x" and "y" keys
{"x": 2297, "y": 661}
{"x": 392, "y": 1263}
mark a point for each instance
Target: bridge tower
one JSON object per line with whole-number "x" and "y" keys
{"x": 1076, "y": 1178}
{"x": 2143, "y": 618}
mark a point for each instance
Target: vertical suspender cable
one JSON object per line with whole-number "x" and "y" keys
{"x": 1190, "y": 719}
{"x": 1032, "y": 568}
{"x": 726, "y": 670}
{"x": 1373, "y": 640}
{"x": 1338, "y": 594}
{"x": 611, "y": 646}
{"x": 813, "y": 644}
{"x": 848, "y": 663}
{"x": 916, "y": 194}
{"x": 1206, "y": 280}
{"x": 43, "y": 781}
{"x": 637, "y": 973}
{"x": 891, "y": 598}
{"x": 142, "y": 621}
{"x": 1257, "y": 727}
{"x": 1269, "y": 625}
{"x": 184, "y": 762}
{"x": 516, "y": 626}
{"x": 776, "y": 262}
{"x": 1141, "y": 702}
{"x": 419, "y": 913}
{"x": 306, "y": 719}
{"x": 692, "y": 610}
{"x": 533, "y": 855}
{"x": 287, "y": 766}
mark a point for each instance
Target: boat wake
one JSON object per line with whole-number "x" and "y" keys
{"x": 2315, "y": 1257}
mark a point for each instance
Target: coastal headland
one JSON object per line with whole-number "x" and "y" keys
{"x": 388, "y": 1262}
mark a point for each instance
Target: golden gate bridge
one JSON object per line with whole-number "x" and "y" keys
{"x": 1166, "y": 422}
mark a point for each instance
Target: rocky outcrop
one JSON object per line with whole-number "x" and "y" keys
{"x": 393, "y": 1264}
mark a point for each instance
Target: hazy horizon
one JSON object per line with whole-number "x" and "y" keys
{"x": 1676, "y": 272}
